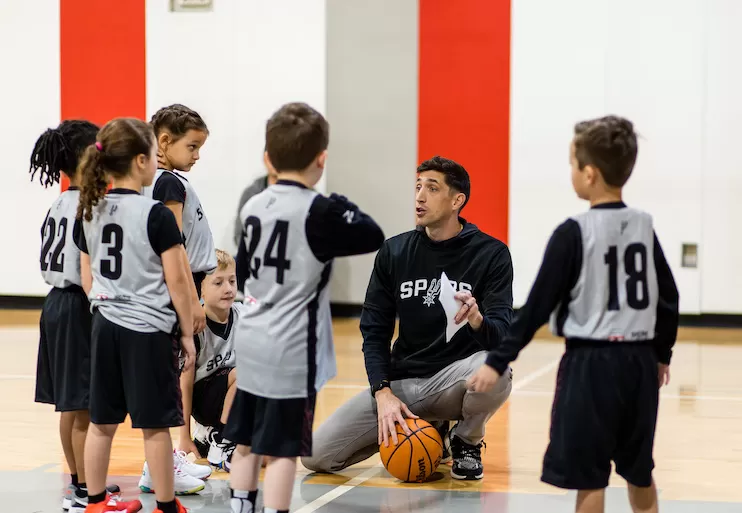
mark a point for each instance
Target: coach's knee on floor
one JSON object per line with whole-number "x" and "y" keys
{"x": 321, "y": 463}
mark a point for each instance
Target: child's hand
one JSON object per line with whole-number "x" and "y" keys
{"x": 189, "y": 352}
{"x": 484, "y": 379}
{"x": 663, "y": 372}
{"x": 187, "y": 446}
{"x": 199, "y": 318}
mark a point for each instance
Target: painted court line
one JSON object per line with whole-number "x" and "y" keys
{"x": 373, "y": 471}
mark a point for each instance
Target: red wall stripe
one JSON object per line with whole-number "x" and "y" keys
{"x": 464, "y": 99}
{"x": 103, "y": 60}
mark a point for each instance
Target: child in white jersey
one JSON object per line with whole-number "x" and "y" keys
{"x": 208, "y": 389}
{"x": 180, "y": 133}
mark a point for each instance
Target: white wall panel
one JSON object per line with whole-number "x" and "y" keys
{"x": 235, "y": 65}
{"x": 655, "y": 77}
{"x": 30, "y": 103}
{"x": 557, "y": 79}
{"x": 721, "y": 207}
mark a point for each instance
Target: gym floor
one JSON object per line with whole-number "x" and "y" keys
{"x": 698, "y": 451}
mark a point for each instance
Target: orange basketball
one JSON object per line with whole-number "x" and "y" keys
{"x": 415, "y": 457}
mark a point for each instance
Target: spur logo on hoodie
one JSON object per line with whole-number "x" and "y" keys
{"x": 429, "y": 289}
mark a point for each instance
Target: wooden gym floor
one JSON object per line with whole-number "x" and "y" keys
{"x": 698, "y": 451}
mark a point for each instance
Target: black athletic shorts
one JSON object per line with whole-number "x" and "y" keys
{"x": 208, "y": 397}
{"x": 63, "y": 362}
{"x": 272, "y": 427}
{"x": 605, "y": 409}
{"x": 134, "y": 373}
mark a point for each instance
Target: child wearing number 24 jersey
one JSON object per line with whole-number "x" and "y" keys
{"x": 284, "y": 340}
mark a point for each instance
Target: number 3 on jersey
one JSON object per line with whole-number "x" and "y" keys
{"x": 112, "y": 236}
{"x": 637, "y": 288}
{"x": 276, "y": 245}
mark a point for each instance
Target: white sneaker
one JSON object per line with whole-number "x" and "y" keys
{"x": 180, "y": 460}
{"x": 184, "y": 483}
{"x": 220, "y": 453}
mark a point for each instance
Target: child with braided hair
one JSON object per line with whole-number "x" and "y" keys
{"x": 63, "y": 366}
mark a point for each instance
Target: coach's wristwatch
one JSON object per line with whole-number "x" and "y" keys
{"x": 379, "y": 386}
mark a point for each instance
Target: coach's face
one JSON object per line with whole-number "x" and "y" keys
{"x": 435, "y": 201}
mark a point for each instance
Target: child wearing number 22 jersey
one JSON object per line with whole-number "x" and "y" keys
{"x": 63, "y": 369}
{"x": 608, "y": 290}
{"x": 291, "y": 234}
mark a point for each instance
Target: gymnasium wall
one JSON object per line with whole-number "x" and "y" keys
{"x": 393, "y": 97}
{"x": 670, "y": 67}
{"x": 372, "y": 109}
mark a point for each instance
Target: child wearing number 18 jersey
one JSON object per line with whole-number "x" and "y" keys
{"x": 284, "y": 341}
{"x": 132, "y": 268}
{"x": 609, "y": 291}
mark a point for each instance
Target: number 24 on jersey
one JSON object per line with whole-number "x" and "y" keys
{"x": 275, "y": 250}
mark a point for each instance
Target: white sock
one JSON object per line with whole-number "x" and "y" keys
{"x": 243, "y": 501}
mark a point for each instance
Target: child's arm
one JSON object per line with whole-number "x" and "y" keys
{"x": 668, "y": 315}
{"x": 167, "y": 242}
{"x": 336, "y": 227}
{"x": 187, "y": 378}
{"x": 177, "y": 281}
{"x": 559, "y": 270}
{"x": 199, "y": 316}
{"x": 86, "y": 274}
{"x": 171, "y": 192}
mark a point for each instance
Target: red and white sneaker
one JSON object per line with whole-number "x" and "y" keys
{"x": 114, "y": 504}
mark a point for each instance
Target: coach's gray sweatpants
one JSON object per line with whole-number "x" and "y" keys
{"x": 350, "y": 434}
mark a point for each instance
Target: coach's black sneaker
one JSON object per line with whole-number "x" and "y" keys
{"x": 467, "y": 459}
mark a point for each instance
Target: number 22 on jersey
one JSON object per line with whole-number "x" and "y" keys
{"x": 52, "y": 231}
{"x": 275, "y": 250}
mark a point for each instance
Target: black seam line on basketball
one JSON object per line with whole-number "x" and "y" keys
{"x": 412, "y": 450}
{"x": 426, "y": 451}
{"x": 436, "y": 441}
{"x": 396, "y": 448}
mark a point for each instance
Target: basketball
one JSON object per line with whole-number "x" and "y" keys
{"x": 416, "y": 456}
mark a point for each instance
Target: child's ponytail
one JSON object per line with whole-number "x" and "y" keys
{"x": 93, "y": 181}
{"x": 58, "y": 149}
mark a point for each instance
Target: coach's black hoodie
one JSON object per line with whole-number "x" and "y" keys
{"x": 404, "y": 283}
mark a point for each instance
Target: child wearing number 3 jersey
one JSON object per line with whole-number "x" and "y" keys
{"x": 284, "y": 341}
{"x": 132, "y": 269}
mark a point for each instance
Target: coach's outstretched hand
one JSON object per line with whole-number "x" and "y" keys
{"x": 189, "y": 351}
{"x": 483, "y": 380}
{"x": 390, "y": 410}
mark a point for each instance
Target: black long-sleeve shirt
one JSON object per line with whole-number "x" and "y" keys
{"x": 404, "y": 283}
{"x": 558, "y": 275}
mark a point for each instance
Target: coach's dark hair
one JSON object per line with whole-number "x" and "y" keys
{"x": 454, "y": 175}
{"x": 118, "y": 143}
{"x": 59, "y": 149}
{"x": 609, "y": 144}
{"x": 294, "y": 136}
{"x": 177, "y": 119}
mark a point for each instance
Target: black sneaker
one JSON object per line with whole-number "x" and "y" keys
{"x": 467, "y": 459}
{"x": 443, "y": 427}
